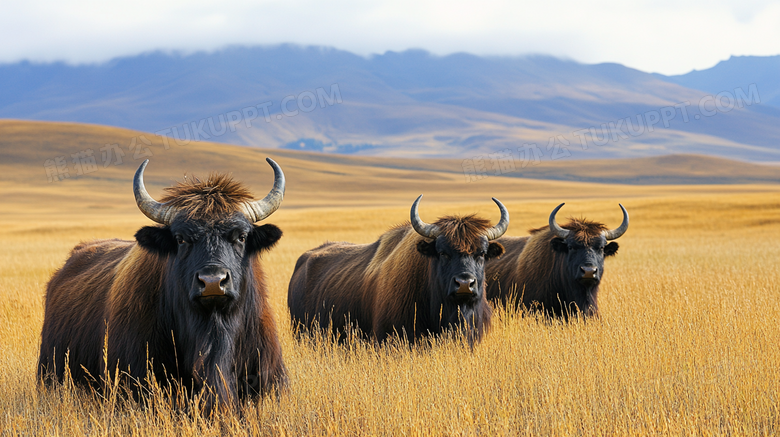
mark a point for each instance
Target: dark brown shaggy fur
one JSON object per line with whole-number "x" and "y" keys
{"x": 116, "y": 287}
{"x": 125, "y": 297}
{"x": 463, "y": 232}
{"x": 584, "y": 230}
{"x": 218, "y": 195}
{"x": 531, "y": 273}
{"x": 384, "y": 287}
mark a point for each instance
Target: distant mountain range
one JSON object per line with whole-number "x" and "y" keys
{"x": 762, "y": 71}
{"x": 413, "y": 103}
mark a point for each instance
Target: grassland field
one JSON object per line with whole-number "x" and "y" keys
{"x": 687, "y": 342}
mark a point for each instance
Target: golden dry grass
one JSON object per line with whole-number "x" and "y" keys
{"x": 687, "y": 343}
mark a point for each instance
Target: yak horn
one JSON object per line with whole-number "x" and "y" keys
{"x": 499, "y": 229}
{"x": 259, "y": 209}
{"x": 557, "y": 230}
{"x": 422, "y": 228}
{"x": 616, "y": 233}
{"x": 156, "y": 211}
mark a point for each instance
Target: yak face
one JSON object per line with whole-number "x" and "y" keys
{"x": 457, "y": 275}
{"x": 456, "y": 269}
{"x": 208, "y": 234}
{"x": 578, "y": 251}
{"x": 584, "y": 257}
{"x": 209, "y": 258}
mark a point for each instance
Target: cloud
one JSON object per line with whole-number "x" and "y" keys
{"x": 664, "y": 36}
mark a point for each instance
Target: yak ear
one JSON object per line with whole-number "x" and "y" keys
{"x": 427, "y": 249}
{"x": 495, "y": 250}
{"x": 263, "y": 237}
{"x": 611, "y": 249}
{"x": 559, "y": 245}
{"x": 157, "y": 239}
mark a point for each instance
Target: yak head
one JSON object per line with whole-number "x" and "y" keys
{"x": 458, "y": 250}
{"x": 209, "y": 233}
{"x": 585, "y": 244}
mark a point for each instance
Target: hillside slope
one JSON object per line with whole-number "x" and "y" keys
{"x": 30, "y": 179}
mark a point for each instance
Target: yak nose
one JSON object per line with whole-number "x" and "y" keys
{"x": 466, "y": 284}
{"x": 213, "y": 284}
{"x": 589, "y": 272}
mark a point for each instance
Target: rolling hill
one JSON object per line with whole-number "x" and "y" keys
{"x": 408, "y": 104}
{"x": 32, "y": 184}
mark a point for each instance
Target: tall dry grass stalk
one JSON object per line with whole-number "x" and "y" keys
{"x": 687, "y": 342}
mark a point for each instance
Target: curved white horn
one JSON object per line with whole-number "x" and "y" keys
{"x": 616, "y": 233}
{"x": 156, "y": 211}
{"x": 425, "y": 229}
{"x": 260, "y": 209}
{"x": 557, "y": 230}
{"x": 502, "y": 225}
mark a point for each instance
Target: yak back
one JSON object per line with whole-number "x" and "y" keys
{"x": 501, "y": 273}
{"x": 339, "y": 282}
{"x": 76, "y": 310}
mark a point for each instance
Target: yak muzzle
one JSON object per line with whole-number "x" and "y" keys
{"x": 213, "y": 285}
{"x": 589, "y": 274}
{"x": 214, "y": 288}
{"x": 464, "y": 286}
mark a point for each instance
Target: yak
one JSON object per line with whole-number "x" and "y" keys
{"x": 185, "y": 302}
{"x": 417, "y": 279}
{"x": 556, "y": 269}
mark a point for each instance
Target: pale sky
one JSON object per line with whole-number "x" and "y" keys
{"x": 664, "y": 36}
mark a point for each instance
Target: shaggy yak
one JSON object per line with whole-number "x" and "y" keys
{"x": 557, "y": 268}
{"x": 417, "y": 279}
{"x": 186, "y": 301}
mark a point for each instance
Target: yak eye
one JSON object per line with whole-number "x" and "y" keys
{"x": 179, "y": 239}
{"x": 443, "y": 255}
{"x": 242, "y": 237}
